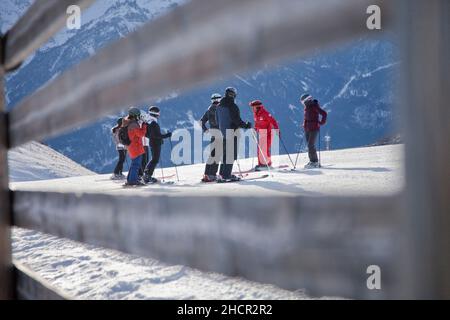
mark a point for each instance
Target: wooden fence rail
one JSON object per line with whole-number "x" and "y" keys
{"x": 201, "y": 41}
{"x": 292, "y": 242}
{"x": 31, "y": 286}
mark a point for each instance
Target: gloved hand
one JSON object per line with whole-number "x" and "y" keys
{"x": 169, "y": 134}
{"x": 248, "y": 125}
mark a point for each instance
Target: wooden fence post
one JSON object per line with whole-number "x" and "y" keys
{"x": 426, "y": 111}
{"x": 6, "y": 270}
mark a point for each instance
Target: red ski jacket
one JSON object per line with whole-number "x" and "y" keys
{"x": 135, "y": 133}
{"x": 311, "y": 120}
{"x": 264, "y": 120}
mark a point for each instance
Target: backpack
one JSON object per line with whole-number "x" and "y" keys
{"x": 123, "y": 136}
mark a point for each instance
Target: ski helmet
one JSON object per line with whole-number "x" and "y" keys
{"x": 255, "y": 103}
{"x": 306, "y": 97}
{"x": 154, "y": 111}
{"x": 216, "y": 97}
{"x": 231, "y": 92}
{"x": 134, "y": 112}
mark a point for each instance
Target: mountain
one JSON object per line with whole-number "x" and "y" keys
{"x": 35, "y": 161}
{"x": 354, "y": 82}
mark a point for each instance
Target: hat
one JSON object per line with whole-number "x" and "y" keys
{"x": 255, "y": 103}
{"x": 154, "y": 111}
{"x": 306, "y": 97}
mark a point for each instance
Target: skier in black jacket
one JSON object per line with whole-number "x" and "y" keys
{"x": 210, "y": 117}
{"x": 228, "y": 117}
{"x": 156, "y": 140}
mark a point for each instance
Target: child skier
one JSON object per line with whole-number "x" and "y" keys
{"x": 264, "y": 123}
{"x": 135, "y": 147}
{"x": 156, "y": 141}
{"x": 311, "y": 125}
{"x": 210, "y": 116}
{"x": 118, "y": 175}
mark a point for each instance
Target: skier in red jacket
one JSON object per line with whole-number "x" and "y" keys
{"x": 312, "y": 125}
{"x": 264, "y": 123}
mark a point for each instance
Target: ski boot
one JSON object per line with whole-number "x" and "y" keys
{"x": 233, "y": 178}
{"x": 263, "y": 168}
{"x": 138, "y": 183}
{"x": 312, "y": 165}
{"x": 148, "y": 179}
{"x": 117, "y": 177}
{"x": 151, "y": 180}
{"x": 209, "y": 178}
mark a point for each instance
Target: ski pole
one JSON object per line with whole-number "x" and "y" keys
{"x": 296, "y": 159}
{"x": 176, "y": 167}
{"x": 260, "y": 150}
{"x": 128, "y": 165}
{"x": 320, "y": 164}
{"x": 161, "y": 166}
{"x": 285, "y": 149}
{"x": 239, "y": 168}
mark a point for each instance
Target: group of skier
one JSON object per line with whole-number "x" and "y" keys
{"x": 139, "y": 133}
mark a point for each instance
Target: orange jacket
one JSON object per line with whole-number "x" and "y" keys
{"x": 135, "y": 133}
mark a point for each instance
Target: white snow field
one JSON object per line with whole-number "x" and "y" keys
{"x": 89, "y": 272}
{"x": 35, "y": 161}
{"x": 359, "y": 171}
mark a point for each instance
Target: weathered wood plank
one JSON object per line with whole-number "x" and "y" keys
{"x": 202, "y": 40}
{"x": 6, "y": 279}
{"x": 324, "y": 245}
{"x": 426, "y": 114}
{"x": 31, "y": 286}
{"x": 41, "y": 21}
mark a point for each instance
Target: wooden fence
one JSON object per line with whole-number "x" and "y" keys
{"x": 324, "y": 246}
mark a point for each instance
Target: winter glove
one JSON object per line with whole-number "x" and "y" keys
{"x": 169, "y": 134}
{"x": 248, "y": 125}
{"x": 322, "y": 123}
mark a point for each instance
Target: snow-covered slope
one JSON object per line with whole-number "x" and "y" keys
{"x": 35, "y": 161}
{"x": 359, "y": 171}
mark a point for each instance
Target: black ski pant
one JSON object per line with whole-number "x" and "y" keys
{"x": 212, "y": 166}
{"x": 311, "y": 137}
{"x": 156, "y": 154}
{"x": 226, "y": 169}
{"x": 144, "y": 161}
{"x": 119, "y": 166}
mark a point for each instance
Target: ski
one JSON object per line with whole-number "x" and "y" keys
{"x": 131, "y": 186}
{"x": 244, "y": 179}
{"x": 166, "y": 177}
{"x": 253, "y": 170}
{"x": 256, "y": 178}
{"x": 161, "y": 183}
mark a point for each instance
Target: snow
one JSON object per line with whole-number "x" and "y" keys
{"x": 35, "y": 161}
{"x": 359, "y": 171}
{"x": 89, "y": 272}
